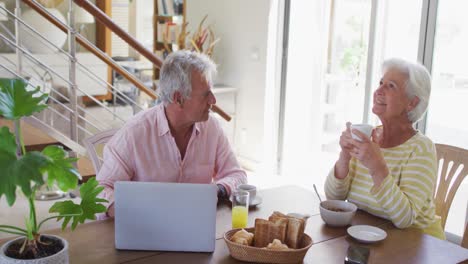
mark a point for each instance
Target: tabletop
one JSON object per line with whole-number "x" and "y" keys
{"x": 94, "y": 242}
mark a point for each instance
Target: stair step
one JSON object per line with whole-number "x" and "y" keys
{"x": 36, "y": 140}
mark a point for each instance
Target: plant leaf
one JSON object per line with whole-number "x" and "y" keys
{"x": 16, "y": 101}
{"x": 60, "y": 169}
{"x": 66, "y": 207}
{"x": 17, "y": 172}
{"x": 90, "y": 205}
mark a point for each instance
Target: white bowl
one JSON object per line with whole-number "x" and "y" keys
{"x": 332, "y": 217}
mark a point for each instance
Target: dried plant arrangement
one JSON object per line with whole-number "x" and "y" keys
{"x": 203, "y": 40}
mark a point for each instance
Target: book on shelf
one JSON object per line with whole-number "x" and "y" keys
{"x": 168, "y": 31}
{"x": 161, "y": 28}
{"x": 162, "y": 10}
{"x": 170, "y": 7}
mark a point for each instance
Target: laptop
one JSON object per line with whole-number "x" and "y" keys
{"x": 165, "y": 216}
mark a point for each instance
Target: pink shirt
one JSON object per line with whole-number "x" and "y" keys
{"x": 145, "y": 150}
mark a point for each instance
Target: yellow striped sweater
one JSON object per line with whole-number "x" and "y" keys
{"x": 405, "y": 196}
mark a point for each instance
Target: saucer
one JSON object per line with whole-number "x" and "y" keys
{"x": 366, "y": 233}
{"x": 256, "y": 201}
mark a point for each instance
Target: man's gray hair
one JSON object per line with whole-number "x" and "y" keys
{"x": 418, "y": 84}
{"x": 176, "y": 73}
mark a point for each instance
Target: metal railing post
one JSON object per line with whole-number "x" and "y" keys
{"x": 19, "y": 54}
{"x": 19, "y": 67}
{"x": 72, "y": 73}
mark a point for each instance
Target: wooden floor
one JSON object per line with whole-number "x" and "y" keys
{"x": 35, "y": 139}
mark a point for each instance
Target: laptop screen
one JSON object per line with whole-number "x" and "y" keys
{"x": 165, "y": 216}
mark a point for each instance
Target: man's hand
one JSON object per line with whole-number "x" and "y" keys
{"x": 110, "y": 211}
{"x": 222, "y": 192}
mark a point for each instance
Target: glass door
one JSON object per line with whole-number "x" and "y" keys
{"x": 334, "y": 67}
{"x": 446, "y": 117}
{"x": 397, "y": 31}
{"x": 327, "y": 78}
{"x": 445, "y": 120}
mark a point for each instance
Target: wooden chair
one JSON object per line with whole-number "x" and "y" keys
{"x": 453, "y": 168}
{"x": 95, "y": 145}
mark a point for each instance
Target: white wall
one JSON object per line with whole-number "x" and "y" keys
{"x": 141, "y": 27}
{"x": 242, "y": 26}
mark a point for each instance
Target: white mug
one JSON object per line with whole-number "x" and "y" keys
{"x": 364, "y": 128}
{"x": 251, "y": 189}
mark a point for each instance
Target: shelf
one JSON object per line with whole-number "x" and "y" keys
{"x": 160, "y": 25}
{"x": 168, "y": 18}
{"x": 160, "y": 45}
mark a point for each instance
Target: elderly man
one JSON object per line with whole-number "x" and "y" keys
{"x": 177, "y": 140}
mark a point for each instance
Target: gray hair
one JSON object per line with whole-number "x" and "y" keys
{"x": 176, "y": 73}
{"x": 418, "y": 84}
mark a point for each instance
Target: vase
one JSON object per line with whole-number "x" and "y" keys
{"x": 60, "y": 257}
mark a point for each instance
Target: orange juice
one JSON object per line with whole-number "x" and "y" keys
{"x": 239, "y": 216}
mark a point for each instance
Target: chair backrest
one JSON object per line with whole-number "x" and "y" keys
{"x": 95, "y": 144}
{"x": 453, "y": 168}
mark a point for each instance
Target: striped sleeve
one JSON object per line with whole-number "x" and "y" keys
{"x": 410, "y": 203}
{"x": 337, "y": 189}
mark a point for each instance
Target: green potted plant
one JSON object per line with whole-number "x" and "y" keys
{"x": 27, "y": 171}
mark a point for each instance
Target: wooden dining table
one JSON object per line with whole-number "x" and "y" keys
{"x": 94, "y": 242}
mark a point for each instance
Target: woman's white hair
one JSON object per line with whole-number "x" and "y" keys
{"x": 418, "y": 84}
{"x": 176, "y": 73}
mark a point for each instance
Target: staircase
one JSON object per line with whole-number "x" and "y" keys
{"x": 67, "y": 121}
{"x": 36, "y": 140}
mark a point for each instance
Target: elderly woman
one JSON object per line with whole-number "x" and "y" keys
{"x": 393, "y": 174}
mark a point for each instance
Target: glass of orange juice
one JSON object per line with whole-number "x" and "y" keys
{"x": 240, "y": 209}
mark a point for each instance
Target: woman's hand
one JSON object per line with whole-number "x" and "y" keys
{"x": 346, "y": 143}
{"x": 369, "y": 154}
{"x": 342, "y": 165}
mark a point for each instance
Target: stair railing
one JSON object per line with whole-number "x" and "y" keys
{"x": 106, "y": 21}
{"x": 42, "y": 64}
{"x": 74, "y": 110}
{"x": 20, "y": 73}
{"x": 97, "y": 126}
{"x": 109, "y": 86}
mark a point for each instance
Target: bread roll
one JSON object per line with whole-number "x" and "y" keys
{"x": 243, "y": 237}
{"x": 277, "y": 245}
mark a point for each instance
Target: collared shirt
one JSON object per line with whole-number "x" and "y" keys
{"x": 145, "y": 150}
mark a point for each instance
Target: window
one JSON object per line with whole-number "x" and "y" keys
{"x": 335, "y": 51}
{"x": 446, "y": 121}
{"x": 327, "y": 73}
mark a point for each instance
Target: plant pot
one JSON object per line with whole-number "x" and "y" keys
{"x": 59, "y": 257}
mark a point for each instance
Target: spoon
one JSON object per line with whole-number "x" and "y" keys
{"x": 318, "y": 195}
